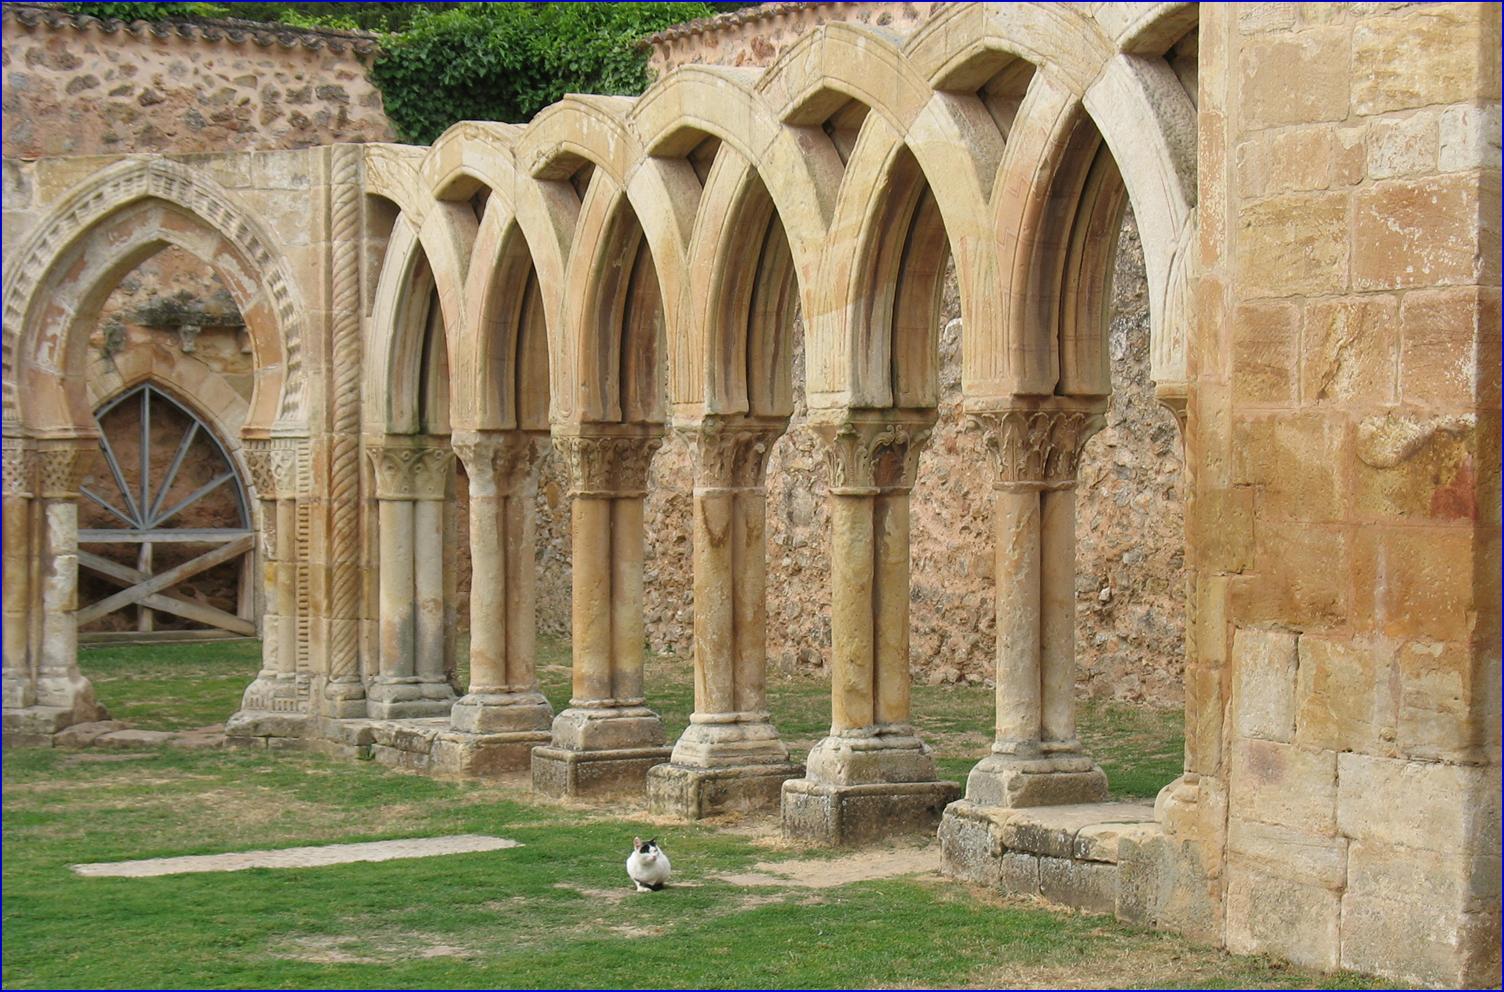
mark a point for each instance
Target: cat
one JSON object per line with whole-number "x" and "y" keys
{"x": 648, "y": 866}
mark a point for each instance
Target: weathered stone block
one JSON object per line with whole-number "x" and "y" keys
{"x": 1429, "y": 55}
{"x": 695, "y": 793}
{"x": 1164, "y": 881}
{"x": 1345, "y": 697}
{"x": 560, "y": 773}
{"x": 1292, "y": 244}
{"x": 1284, "y": 784}
{"x": 1439, "y": 334}
{"x": 1415, "y": 581}
{"x": 1265, "y": 662}
{"x": 1416, "y": 233}
{"x": 1289, "y": 852}
{"x": 1101, "y": 841}
{"x": 458, "y": 753}
{"x": 1265, "y": 343}
{"x": 1008, "y": 781}
{"x": 971, "y": 850}
{"x": 133, "y": 738}
{"x": 1403, "y": 146}
{"x": 1316, "y": 56}
{"x": 1087, "y": 885}
{"x": 839, "y": 815}
{"x": 1349, "y": 350}
{"x": 1436, "y": 700}
{"x": 1267, "y": 914}
{"x": 1452, "y": 809}
{"x": 84, "y": 734}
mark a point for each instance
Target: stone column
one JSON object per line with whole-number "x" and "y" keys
{"x": 1036, "y": 759}
{"x": 274, "y": 477}
{"x": 730, "y": 757}
{"x": 607, "y": 739}
{"x": 20, "y": 487}
{"x": 503, "y": 716}
{"x": 60, "y": 687}
{"x": 414, "y": 476}
{"x": 872, "y": 776}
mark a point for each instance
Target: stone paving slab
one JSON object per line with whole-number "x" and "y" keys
{"x": 298, "y": 857}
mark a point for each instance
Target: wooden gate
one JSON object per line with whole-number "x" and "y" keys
{"x": 147, "y": 511}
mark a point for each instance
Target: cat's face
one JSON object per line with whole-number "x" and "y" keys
{"x": 647, "y": 850}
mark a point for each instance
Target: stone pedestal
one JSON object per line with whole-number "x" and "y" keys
{"x": 393, "y": 697}
{"x": 456, "y": 752}
{"x": 599, "y": 752}
{"x": 1015, "y": 780}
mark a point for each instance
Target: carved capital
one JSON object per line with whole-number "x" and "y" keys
{"x": 608, "y": 465}
{"x": 19, "y": 469}
{"x": 276, "y": 467}
{"x": 1036, "y": 449}
{"x": 730, "y": 453}
{"x": 868, "y": 457}
{"x": 61, "y": 466}
{"x": 500, "y": 463}
{"x": 410, "y": 467}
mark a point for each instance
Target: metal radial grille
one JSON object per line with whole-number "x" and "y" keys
{"x": 162, "y": 507}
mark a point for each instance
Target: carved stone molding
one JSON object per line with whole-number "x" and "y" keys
{"x": 730, "y": 453}
{"x": 608, "y": 465}
{"x": 278, "y": 468}
{"x": 60, "y": 466}
{"x": 868, "y": 457}
{"x": 500, "y": 463}
{"x": 1036, "y": 449}
{"x": 416, "y": 468}
{"x": 19, "y": 469}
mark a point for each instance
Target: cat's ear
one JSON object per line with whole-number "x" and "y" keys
{"x": 652, "y": 841}
{"x": 636, "y": 843}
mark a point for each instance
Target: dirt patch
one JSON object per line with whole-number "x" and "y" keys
{"x": 829, "y": 873}
{"x": 372, "y": 949}
{"x": 603, "y": 895}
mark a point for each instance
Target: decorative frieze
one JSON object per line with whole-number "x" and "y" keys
{"x": 19, "y": 469}
{"x": 62, "y": 465}
{"x": 730, "y": 453}
{"x": 499, "y": 463}
{"x": 867, "y": 457}
{"x": 1036, "y": 449}
{"x": 277, "y": 466}
{"x": 608, "y": 465}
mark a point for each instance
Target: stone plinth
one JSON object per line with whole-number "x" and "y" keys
{"x": 459, "y": 753}
{"x": 694, "y": 793}
{"x": 1013, "y": 781}
{"x": 862, "y": 787}
{"x": 599, "y": 751}
{"x": 408, "y": 698}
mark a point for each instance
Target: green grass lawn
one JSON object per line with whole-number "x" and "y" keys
{"x": 182, "y": 686}
{"x": 555, "y": 912}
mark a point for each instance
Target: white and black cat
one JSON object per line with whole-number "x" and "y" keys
{"x": 648, "y": 866}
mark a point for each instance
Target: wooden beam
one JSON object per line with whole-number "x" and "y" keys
{"x": 187, "y": 609}
{"x": 166, "y": 580}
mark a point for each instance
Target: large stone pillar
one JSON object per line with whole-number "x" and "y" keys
{"x": 1036, "y": 759}
{"x": 44, "y": 689}
{"x": 607, "y": 739}
{"x": 872, "y": 776}
{"x": 414, "y": 476}
{"x": 274, "y": 474}
{"x": 730, "y": 757}
{"x": 503, "y": 715}
{"x": 20, "y": 488}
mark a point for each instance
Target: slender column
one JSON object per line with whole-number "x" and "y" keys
{"x": 287, "y": 594}
{"x": 59, "y": 684}
{"x": 730, "y": 756}
{"x": 413, "y": 478}
{"x": 872, "y": 760}
{"x": 607, "y": 726}
{"x": 277, "y": 479}
{"x": 20, "y": 485}
{"x": 1036, "y": 759}
{"x": 503, "y": 695}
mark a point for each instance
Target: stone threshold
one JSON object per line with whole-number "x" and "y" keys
{"x": 1066, "y": 855}
{"x": 119, "y": 734}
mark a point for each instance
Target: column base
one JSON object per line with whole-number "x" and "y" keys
{"x": 1013, "y": 780}
{"x": 265, "y": 729}
{"x": 71, "y": 693}
{"x": 345, "y": 699}
{"x": 561, "y": 773}
{"x": 408, "y": 699}
{"x": 502, "y": 713}
{"x": 695, "y": 793}
{"x": 271, "y": 694}
{"x": 456, "y": 752}
{"x": 842, "y": 815}
{"x": 18, "y": 693}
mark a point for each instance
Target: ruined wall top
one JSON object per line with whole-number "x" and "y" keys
{"x": 756, "y": 36}
{"x": 81, "y": 85}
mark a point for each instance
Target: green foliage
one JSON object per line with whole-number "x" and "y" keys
{"x": 508, "y": 61}
{"x": 148, "y": 11}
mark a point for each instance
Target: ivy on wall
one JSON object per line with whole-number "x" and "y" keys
{"x": 447, "y": 62}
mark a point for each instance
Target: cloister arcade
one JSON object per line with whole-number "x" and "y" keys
{"x": 619, "y": 268}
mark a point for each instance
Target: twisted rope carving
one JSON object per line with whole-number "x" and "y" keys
{"x": 344, "y": 458}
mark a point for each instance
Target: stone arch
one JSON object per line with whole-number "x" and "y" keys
{"x": 88, "y": 240}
